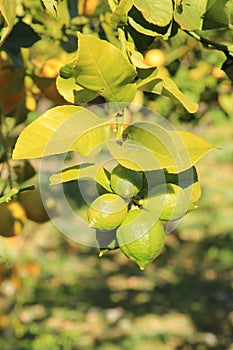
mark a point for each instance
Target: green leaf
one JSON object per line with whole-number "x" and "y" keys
{"x": 188, "y": 180}
{"x": 8, "y": 12}
{"x": 62, "y": 129}
{"x": 217, "y": 15}
{"x": 9, "y": 195}
{"x": 51, "y": 7}
{"x": 72, "y": 92}
{"x": 103, "y": 68}
{"x": 159, "y": 83}
{"x": 171, "y": 90}
{"x": 120, "y": 13}
{"x": 188, "y": 14}
{"x": 133, "y": 156}
{"x": 155, "y": 11}
{"x": 83, "y": 172}
{"x": 5, "y": 256}
{"x": 174, "y": 150}
{"x": 193, "y": 144}
{"x": 141, "y": 29}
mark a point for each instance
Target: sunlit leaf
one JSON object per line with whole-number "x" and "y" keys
{"x": 8, "y": 12}
{"x": 51, "y": 7}
{"x": 159, "y": 83}
{"x": 72, "y": 92}
{"x": 103, "y": 68}
{"x": 193, "y": 144}
{"x": 155, "y": 11}
{"x": 137, "y": 157}
{"x": 83, "y": 172}
{"x": 120, "y": 13}
{"x": 188, "y": 14}
{"x": 59, "y": 130}
{"x": 173, "y": 150}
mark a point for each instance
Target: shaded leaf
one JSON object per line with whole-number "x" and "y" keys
{"x": 217, "y": 15}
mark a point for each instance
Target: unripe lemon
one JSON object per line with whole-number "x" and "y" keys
{"x": 154, "y": 58}
{"x": 107, "y": 211}
{"x": 174, "y": 200}
{"x": 126, "y": 182}
{"x": 32, "y": 203}
{"x": 139, "y": 238}
{"x": 12, "y": 219}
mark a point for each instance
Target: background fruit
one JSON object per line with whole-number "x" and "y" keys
{"x": 107, "y": 212}
{"x": 34, "y": 207}
{"x": 12, "y": 219}
{"x": 90, "y": 7}
{"x": 125, "y": 182}
{"x": 51, "y": 67}
{"x": 154, "y": 57}
{"x": 139, "y": 239}
{"x": 11, "y": 91}
{"x": 50, "y": 70}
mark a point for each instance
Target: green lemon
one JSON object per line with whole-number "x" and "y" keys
{"x": 139, "y": 238}
{"x": 107, "y": 211}
{"x": 173, "y": 201}
{"x": 126, "y": 182}
{"x": 176, "y": 203}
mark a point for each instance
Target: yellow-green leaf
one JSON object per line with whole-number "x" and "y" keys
{"x": 103, "y": 68}
{"x": 59, "y": 130}
{"x": 155, "y": 11}
{"x": 8, "y": 12}
{"x": 81, "y": 172}
{"x": 174, "y": 150}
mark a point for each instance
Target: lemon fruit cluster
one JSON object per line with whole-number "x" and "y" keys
{"x": 131, "y": 216}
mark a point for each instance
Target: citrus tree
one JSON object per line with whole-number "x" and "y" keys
{"x": 101, "y": 63}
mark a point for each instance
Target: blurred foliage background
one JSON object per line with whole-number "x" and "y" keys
{"x": 56, "y": 294}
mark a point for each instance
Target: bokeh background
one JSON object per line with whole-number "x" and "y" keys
{"x": 56, "y": 294}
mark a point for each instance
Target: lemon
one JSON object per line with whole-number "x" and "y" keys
{"x": 155, "y": 57}
{"x": 176, "y": 203}
{"x": 12, "y": 219}
{"x": 139, "y": 238}
{"x": 173, "y": 200}
{"x": 33, "y": 205}
{"x": 107, "y": 211}
{"x": 126, "y": 182}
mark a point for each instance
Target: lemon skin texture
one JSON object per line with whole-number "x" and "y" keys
{"x": 125, "y": 182}
{"x": 139, "y": 242}
{"x": 107, "y": 211}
